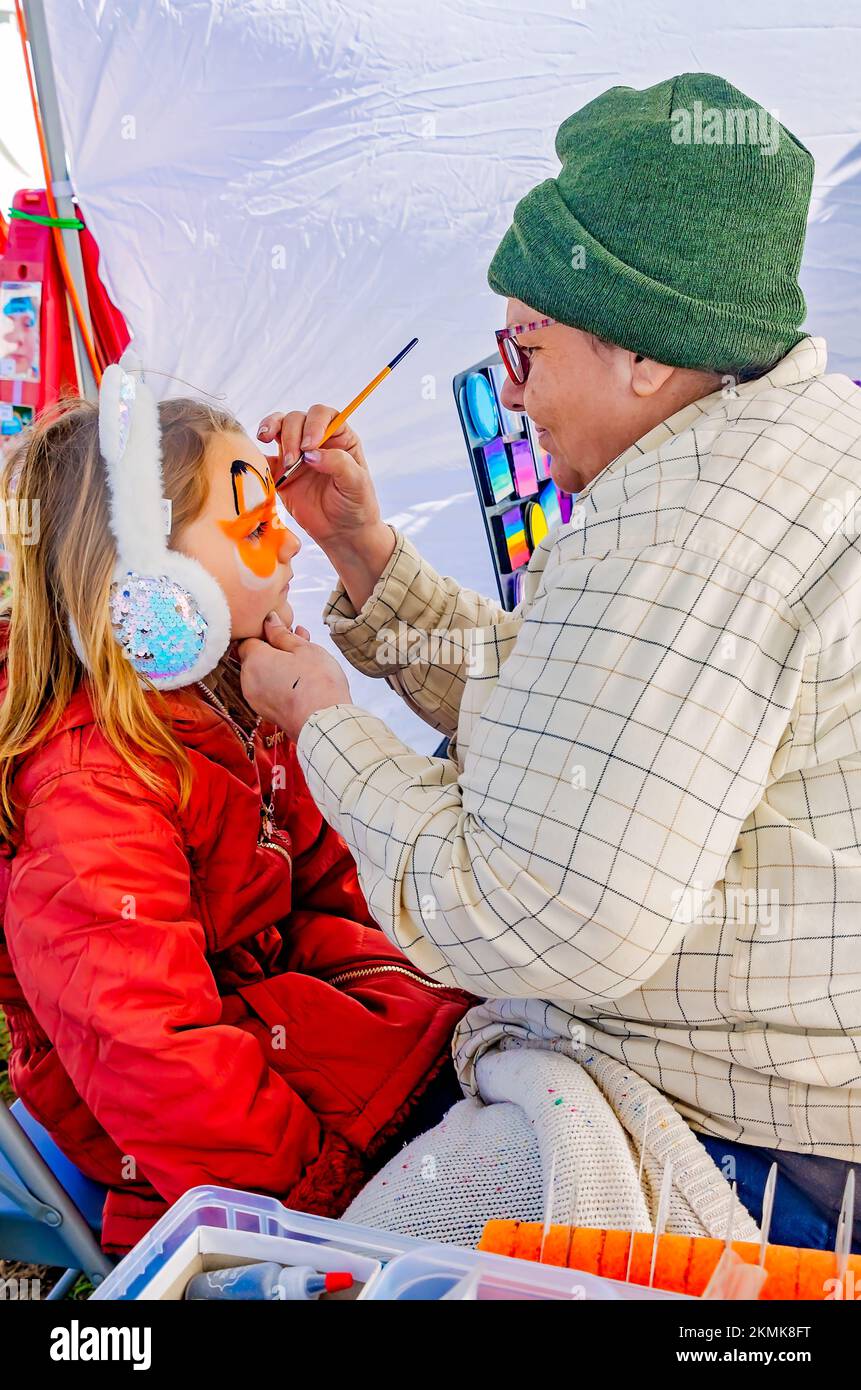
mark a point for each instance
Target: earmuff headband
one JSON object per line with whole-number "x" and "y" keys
{"x": 168, "y": 614}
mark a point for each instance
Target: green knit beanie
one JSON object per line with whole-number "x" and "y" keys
{"x": 674, "y": 229}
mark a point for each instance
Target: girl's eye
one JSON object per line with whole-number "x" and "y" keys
{"x": 258, "y": 532}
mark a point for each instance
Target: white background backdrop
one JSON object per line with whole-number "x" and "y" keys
{"x": 285, "y": 193}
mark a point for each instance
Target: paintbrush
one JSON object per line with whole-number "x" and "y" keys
{"x": 335, "y": 425}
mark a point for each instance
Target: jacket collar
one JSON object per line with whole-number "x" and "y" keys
{"x": 808, "y": 359}
{"x": 192, "y": 716}
{"x": 188, "y": 710}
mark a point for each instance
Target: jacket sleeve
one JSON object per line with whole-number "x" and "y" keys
{"x": 111, "y": 957}
{"x": 629, "y": 736}
{"x": 415, "y": 630}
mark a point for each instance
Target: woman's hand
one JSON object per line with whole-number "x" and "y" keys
{"x": 287, "y": 678}
{"x": 332, "y": 496}
{"x": 332, "y": 493}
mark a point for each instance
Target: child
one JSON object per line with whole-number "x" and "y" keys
{"x": 195, "y": 989}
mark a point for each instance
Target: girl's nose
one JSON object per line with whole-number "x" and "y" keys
{"x": 290, "y": 546}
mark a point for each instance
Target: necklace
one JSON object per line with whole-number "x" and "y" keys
{"x": 247, "y": 743}
{"x": 267, "y": 807}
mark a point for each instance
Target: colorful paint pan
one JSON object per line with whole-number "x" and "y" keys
{"x": 510, "y": 422}
{"x": 542, "y": 461}
{"x": 518, "y": 582}
{"x": 535, "y": 524}
{"x": 542, "y": 458}
{"x": 514, "y": 535}
{"x": 481, "y": 404}
{"x": 525, "y": 481}
{"x": 549, "y": 499}
{"x": 496, "y": 470}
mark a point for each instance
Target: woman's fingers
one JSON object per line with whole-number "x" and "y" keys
{"x": 317, "y": 421}
{"x": 336, "y": 463}
{"x": 299, "y": 430}
{"x": 288, "y": 430}
{"x": 269, "y": 426}
{"x": 277, "y": 634}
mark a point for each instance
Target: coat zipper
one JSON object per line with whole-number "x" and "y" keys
{"x": 344, "y": 975}
{"x": 366, "y": 970}
{"x": 248, "y": 745}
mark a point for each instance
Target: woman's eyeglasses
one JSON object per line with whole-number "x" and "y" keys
{"x": 515, "y": 357}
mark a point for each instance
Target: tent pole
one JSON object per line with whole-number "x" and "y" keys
{"x": 43, "y": 73}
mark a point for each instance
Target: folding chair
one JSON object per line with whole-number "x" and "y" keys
{"x": 50, "y": 1213}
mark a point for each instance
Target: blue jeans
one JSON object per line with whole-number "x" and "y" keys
{"x": 802, "y": 1215}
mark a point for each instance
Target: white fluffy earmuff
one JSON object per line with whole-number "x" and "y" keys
{"x": 168, "y": 613}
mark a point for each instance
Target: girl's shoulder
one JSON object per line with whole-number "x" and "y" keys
{"x": 77, "y": 746}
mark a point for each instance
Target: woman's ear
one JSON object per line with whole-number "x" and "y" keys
{"x": 648, "y": 376}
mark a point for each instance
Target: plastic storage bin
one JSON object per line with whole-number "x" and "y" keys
{"x": 209, "y": 1247}
{"x": 439, "y": 1272}
{"x": 251, "y": 1226}
{"x": 211, "y": 1227}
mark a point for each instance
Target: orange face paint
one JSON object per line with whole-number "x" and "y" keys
{"x": 257, "y": 529}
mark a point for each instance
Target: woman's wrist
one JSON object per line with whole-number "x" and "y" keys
{"x": 360, "y": 557}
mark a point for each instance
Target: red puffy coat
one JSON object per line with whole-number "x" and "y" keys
{"x": 200, "y": 996}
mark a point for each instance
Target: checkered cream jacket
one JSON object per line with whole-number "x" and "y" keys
{"x": 646, "y": 839}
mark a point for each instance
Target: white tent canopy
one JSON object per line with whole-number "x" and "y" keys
{"x": 285, "y": 193}
{"x": 19, "y": 150}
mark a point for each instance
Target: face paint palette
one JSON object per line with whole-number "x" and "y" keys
{"x": 519, "y": 501}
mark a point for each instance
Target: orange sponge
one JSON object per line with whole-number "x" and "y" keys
{"x": 684, "y": 1264}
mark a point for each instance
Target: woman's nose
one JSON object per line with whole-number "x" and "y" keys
{"x": 511, "y": 396}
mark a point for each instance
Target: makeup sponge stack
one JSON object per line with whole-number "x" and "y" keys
{"x": 684, "y": 1264}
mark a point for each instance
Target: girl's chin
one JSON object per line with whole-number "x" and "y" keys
{"x": 256, "y": 629}
{"x": 285, "y": 613}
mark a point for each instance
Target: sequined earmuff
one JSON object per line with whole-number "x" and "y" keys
{"x": 168, "y": 613}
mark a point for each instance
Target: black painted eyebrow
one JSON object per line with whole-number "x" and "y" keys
{"x": 238, "y": 469}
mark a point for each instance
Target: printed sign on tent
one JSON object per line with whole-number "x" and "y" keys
{"x": 20, "y": 305}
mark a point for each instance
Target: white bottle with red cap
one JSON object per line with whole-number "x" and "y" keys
{"x": 266, "y": 1282}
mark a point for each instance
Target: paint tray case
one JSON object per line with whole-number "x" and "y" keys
{"x": 519, "y": 500}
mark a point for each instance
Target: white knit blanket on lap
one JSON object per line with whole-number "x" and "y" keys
{"x": 540, "y": 1112}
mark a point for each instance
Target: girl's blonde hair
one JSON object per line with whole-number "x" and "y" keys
{"x": 64, "y": 572}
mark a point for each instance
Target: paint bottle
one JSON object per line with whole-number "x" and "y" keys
{"x": 266, "y": 1282}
